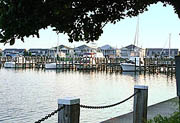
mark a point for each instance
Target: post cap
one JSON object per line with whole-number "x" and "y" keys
{"x": 141, "y": 87}
{"x": 69, "y": 101}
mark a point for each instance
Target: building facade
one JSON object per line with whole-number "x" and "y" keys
{"x": 39, "y": 52}
{"x": 161, "y": 52}
{"x": 81, "y": 50}
{"x": 109, "y": 51}
{"x": 132, "y": 51}
{"x": 13, "y": 52}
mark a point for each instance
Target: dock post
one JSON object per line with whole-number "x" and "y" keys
{"x": 135, "y": 66}
{"x": 177, "y": 62}
{"x": 144, "y": 65}
{"x": 140, "y": 104}
{"x": 71, "y": 111}
{"x": 140, "y": 65}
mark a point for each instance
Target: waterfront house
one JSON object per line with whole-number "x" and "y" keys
{"x": 109, "y": 51}
{"x": 13, "y": 52}
{"x": 132, "y": 50}
{"x": 39, "y": 52}
{"x": 161, "y": 52}
{"x": 65, "y": 50}
{"x": 80, "y": 50}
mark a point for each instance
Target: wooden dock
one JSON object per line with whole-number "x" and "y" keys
{"x": 151, "y": 65}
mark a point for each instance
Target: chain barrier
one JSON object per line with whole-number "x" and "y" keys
{"x": 49, "y": 115}
{"x": 85, "y": 106}
{"x": 108, "y": 106}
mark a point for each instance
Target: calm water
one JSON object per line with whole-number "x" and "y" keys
{"x": 28, "y": 95}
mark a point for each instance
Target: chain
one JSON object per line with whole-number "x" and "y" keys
{"x": 49, "y": 115}
{"x": 108, "y": 106}
{"x": 85, "y": 106}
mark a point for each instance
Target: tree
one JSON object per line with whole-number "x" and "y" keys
{"x": 81, "y": 20}
{"x": 25, "y": 53}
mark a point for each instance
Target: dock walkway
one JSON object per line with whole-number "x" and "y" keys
{"x": 165, "y": 108}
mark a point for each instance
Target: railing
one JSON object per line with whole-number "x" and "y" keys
{"x": 69, "y": 109}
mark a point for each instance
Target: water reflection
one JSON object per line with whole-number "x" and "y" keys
{"x": 28, "y": 94}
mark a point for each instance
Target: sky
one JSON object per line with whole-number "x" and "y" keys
{"x": 155, "y": 26}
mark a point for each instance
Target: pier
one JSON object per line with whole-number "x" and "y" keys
{"x": 151, "y": 65}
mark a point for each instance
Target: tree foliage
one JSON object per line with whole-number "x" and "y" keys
{"x": 174, "y": 118}
{"x": 81, "y": 20}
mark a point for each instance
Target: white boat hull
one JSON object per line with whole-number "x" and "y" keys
{"x": 50, "y": 66}
{"x": 9, "y": 64}
{"x": 129, "y": 67}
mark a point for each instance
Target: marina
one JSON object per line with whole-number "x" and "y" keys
{"x": 151, "y": 65}
{"x": 89, "y": 61}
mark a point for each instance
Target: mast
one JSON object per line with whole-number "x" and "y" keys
{"x": 136, "y": 38}
{"x": 57, "y": 50}
{"x": 169, "y": 44}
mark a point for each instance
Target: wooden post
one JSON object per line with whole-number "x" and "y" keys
{"x": 177, "y": 62}
{"x": 140, "y": 65}
{"x": 72, "y": 62}
{"x": 71, "y": 111}
{"x": 110, "y": 64}
{"x": 140, "y": 104}
{"x": 106, "y": 60}
{"x": 135, "y": 66}
{"x": 144, "y": 65}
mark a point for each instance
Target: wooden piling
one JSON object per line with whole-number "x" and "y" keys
{"x": 140, "y": 104}
{"x": 71, "y": 111}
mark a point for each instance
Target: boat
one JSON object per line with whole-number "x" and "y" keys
{"x": 88, "y": 62}
{"x": 134, "y": 62}
{"x": 10, "y": 64}
{"x": 13, "y": 64}
{"x": 50, "y": 66}
{"x": 54, "y": 65}
{"x": 132, "y": 65}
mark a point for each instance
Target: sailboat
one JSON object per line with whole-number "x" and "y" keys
{"x": 169, "y": 49}
{"x": 53, "y": 65}
{"x": 134, "y": 62}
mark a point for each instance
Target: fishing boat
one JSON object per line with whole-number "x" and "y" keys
{"x": 134, "y": 62}
{"x": 87, "y": 62}
{"x": 132, "y": 65}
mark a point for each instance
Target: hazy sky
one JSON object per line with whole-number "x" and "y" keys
{"x": 155, "y": 25}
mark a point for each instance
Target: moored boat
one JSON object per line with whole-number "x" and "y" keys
{"x": 134, "y": 64}
{"x": 50, "y": 66}
{"x": 9, "y": 64}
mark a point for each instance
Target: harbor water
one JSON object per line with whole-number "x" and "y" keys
{"x": 27, "y": 95}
